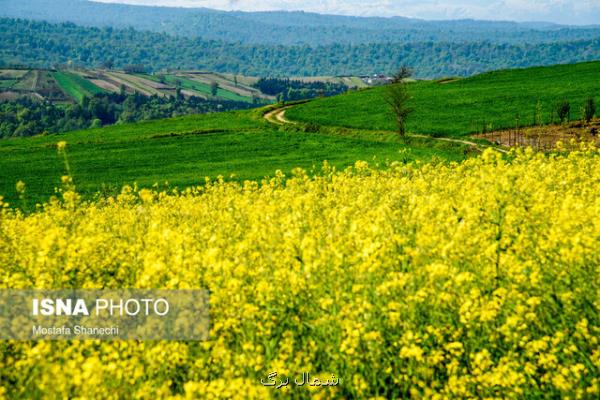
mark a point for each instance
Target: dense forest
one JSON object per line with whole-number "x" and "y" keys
{"x": 287, "y": 28}
{"x": 41, "y": 44}
{"x": 291, "y": 89}
{"x": 26, "y": 117}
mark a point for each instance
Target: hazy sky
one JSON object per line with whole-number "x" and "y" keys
{"x": 561, "y": 11}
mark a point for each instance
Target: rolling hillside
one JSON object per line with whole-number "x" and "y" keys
{"x": 184, "y": 150}
{"x": 489, "y": 101}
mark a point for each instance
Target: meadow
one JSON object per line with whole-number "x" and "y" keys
{"x": 185, "y": 150}
{"x": 490, "y": 101}
{"x": 465, "y": 280}
{"x": 242, "y": 146}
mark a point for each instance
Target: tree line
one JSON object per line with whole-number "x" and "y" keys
{"x": 286, "y": 89}
{"x": 41, "y": 44}
{"x": 28, "y": 117}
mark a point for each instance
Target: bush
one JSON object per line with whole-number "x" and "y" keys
{"x": 563, "y": 110}
{"x": 589, "y": 110}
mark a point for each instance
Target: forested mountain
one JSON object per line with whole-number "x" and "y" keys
{"x": 41, "y": 44}
{"x": 287, "y": 28}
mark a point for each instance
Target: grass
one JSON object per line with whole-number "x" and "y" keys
{"x": 184, "y": 150}
{"x": 76, "y": 86}
{"x": 465, "y": 106}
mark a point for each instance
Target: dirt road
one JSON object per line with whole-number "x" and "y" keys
{"x": 277, "y": 117}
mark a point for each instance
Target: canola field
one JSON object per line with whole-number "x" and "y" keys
{"x": 476, "y": 279}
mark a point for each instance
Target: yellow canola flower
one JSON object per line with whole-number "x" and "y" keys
{"x": 464, "y": 280}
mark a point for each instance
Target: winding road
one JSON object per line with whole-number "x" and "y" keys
{"x": 277, "y": 117}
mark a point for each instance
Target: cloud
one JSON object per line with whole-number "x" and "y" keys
{"x": 576, "y": 12}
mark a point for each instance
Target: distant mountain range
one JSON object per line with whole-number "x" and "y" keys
{"x": 43, "y": 44}
{"x": 289, "y": 28}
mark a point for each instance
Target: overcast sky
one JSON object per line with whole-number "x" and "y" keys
{"x": 576, "y": 12}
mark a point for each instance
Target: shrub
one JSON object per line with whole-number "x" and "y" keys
{"x": 589, "y": 110}
{"x": 563, "y": 110}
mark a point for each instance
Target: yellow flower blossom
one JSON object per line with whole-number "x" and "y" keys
{"x": 466, "y": 280}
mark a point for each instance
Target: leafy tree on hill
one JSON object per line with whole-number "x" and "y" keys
{"x": 403, "y": 73}
{"x": 214, "y": 88}
{"x": 589, "y": 110}
{"x": 563, "y": 110}
{"x": 397, "y": 97}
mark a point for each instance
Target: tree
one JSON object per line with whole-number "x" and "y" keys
{"x": 538, "y": 118}
{"x": 134, "y": 69}
{"x": 402, "y": 75}
{"x": 563, "y": 109}
{"x": 214, "y": 88}
{"x": 589, "y": 110}
{"x": 108, "y": 63}
{"x": 397, "y": 97}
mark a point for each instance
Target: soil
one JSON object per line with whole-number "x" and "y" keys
{"x": 544, "y": 138}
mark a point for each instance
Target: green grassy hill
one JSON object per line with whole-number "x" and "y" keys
{"x": 460, "y": 107}
{"x": 183, "y": 151}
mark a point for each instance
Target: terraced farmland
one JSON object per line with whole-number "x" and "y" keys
{"x": 198, "y": 87}
{"x": 228, "y": 83}
{"x": 76, "y": 86}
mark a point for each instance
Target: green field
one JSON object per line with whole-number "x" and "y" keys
{"x": 76, "y": 86}
{"x": 203, "y": 88}
{"x": 343, "y": 129}
{"x": 184, "y": 150}
{"x": 464, "y": 106}
{"x": 7, "y": 83}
